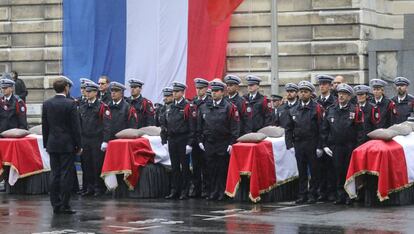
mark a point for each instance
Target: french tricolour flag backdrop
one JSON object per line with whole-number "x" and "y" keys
{"x": 157, "y": 41}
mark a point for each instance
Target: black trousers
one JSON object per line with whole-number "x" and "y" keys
{"x": 199, "y": 169}
{"x": 92, "y": 162}
{"x": 217, "y": 167}
{"x": 62, "y": 175}
{"x": 305, "y": 152}
{"x": 180, "y": 164}
{"x": 327, "y": 180}
{"x": 341, "y": 158}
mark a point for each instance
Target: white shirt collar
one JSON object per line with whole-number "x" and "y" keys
{"x": 61, "y": 94}
{"x": 306, "y": 103}
{"x": 400, "y": 99}
{"x": 253, "y": 95}
{"x": 178, "y": 102}
{"x": 117, "y": 103}
{"x": 7, "y": 98}
{"x": 216, "y": 103}
{"x": 231, "y": 97}
{"x": 376, "y": 101}
{"x": 326, "y": 97}
{"x": 93, "y": 101}
{"x": 343, "y": 106}
{"x": 363, "y": 104}
{"x": 135, "y": 98}
{"x": 292, "y": 103}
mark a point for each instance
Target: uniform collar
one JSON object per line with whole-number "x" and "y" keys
{"x": 292, "y": 103}
{"x": 363, "y": 104}
{"x": 233, "y": 96}
{"x": 217, "y": 103}
{"x": 306, "y": 103}
{"x": 7, "y": 98}
{"x": 92, "y": 102}
{"x": 178, "y": 102}
{"x": 117, "y": 103}
{"x": 380, "y": 100}
{"x": 399, "y": 99}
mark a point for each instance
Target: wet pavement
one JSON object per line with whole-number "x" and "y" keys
{"x": 33, "y": 214}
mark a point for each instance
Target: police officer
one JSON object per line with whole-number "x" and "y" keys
{"x": 96, "y": 130}
{"x": 157, "y": 109}
{"x": 281, "y": 118}
{"x": 327, "y": 186}
{"x": 258, "y": 107}
{"x": 197, "y": 155}
{"x": 384, "y": 108}
{"x": 19, "y": 86}
{"x": 168, "y": 100}
{"x": 12, "y": 107}
{"x": 339, "y": 134}
{"x": 404, "y": 102}
{"x": 326, "y": 99}
{"x": 363, "y": 112}
{"x": 104, "y": 91}
{"x": 82, "y": 99}
{"x": 123, "y": 115}
{"x": 219, "y": 125}
{"x": 233, "y": 86}
{"x": 302, "y": 133}
{"x": 277, "y": 101}
{"x": 143, "y": 106}
{"x": 338, "y": 80}
{"x": 179, "y": 137}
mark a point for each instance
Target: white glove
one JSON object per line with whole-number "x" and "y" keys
{"x": 229, "y": 149}
{"x": 328, "y": 151}
{"x": 201, "y": 146}
{"x": 188, "y": 149}
{"x": 319, "y": 153}
{"x": 165, "y": 146}
{"x": 104, "y": 146}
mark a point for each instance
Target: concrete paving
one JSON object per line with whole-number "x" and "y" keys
{"x": 33, "y": 214}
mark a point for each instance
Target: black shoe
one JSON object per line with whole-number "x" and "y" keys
{"x": 339, "y": 202}
{"x": 212, "y": 197}
{"x": 195, "y": 194}
{"x": 87, "y": 193}
{"x": 332, "y": 197}
{"x": 98, "y": 194}
{"x": 311, "y": 200}
{"x": 56, "y": 210}
{"x": 322, "y": 198}
{"x": 172, "y": 196}
{"x": 221, "y": 197}
{"x": 204, "y": 195}
{"x": 183, "y": 197}
{"x": 301, "y": 200}
{"x": 67, "y": 211}
{"x": 348, "y": 202}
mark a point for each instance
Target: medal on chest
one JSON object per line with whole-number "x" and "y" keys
{"x": 249, "y": 109}
{"x": 351, "y": 115}
{"x": 332, "y": 119}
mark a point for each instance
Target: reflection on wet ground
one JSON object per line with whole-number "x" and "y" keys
{"x": 33, "y": 214}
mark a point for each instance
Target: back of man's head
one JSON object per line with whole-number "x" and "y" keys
{"x": 59, "y": 85}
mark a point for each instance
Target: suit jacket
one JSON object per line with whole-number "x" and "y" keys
{"x": 61, "y": 125}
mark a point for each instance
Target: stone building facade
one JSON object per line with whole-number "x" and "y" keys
{"x": 314, "y": 36}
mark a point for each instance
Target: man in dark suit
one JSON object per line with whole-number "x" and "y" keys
{"x": 62, "y": 140}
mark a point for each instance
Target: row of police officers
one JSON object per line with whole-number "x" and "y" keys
{"x": 208, "y": 125}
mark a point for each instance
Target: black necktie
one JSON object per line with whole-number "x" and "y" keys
{"x": 323, "y": 99}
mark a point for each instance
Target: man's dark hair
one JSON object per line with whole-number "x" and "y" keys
{"x": 16, "y": 74}
{"x": 59, "y": 85}
{"x": 106, "y": 78}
